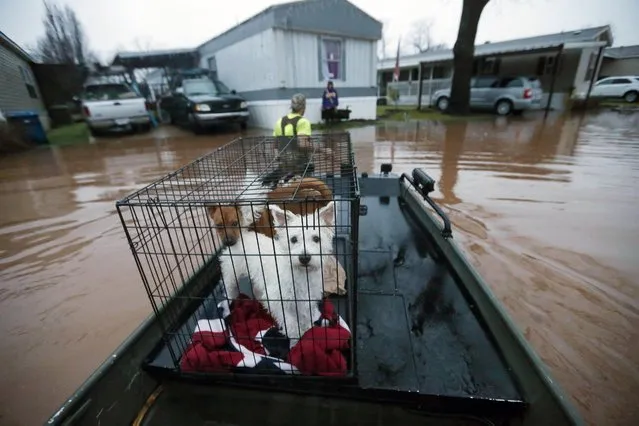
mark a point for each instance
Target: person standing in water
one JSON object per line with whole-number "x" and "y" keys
{"x": 330, "y": 101}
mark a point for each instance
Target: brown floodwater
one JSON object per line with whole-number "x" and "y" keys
{"x": 544, "y": 210}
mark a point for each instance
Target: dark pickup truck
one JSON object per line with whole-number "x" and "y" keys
{"x": 202, "y": 103}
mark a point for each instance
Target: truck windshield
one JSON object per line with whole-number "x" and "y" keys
{"x": 204, "y": 87}
{"x": 108, "y": 92}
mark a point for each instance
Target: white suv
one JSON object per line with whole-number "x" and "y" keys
{"x": 625, "y": 87}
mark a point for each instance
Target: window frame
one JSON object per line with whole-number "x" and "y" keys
{"x": 27, "y": 79}
{"x": 323, "y": 59}
{"x": 492, "y": 79}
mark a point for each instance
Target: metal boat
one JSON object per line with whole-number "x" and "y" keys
{"x": 432, "y": 344}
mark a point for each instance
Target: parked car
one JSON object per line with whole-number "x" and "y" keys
{"x": 204, "y": 102}
{"x": 113, "y": 106}
{"x": 624, "y": 87}
{"x": 504, "y": 95}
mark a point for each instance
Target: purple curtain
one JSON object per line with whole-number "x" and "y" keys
{"x": 333, "y": 49}
{"x": 333, "y": 69}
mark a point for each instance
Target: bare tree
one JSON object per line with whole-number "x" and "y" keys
{"x": 382, "y": 47}
{"x": 464, "y": 52}
{"x": 421, "y": 35}
{"x": 64, "y": 41}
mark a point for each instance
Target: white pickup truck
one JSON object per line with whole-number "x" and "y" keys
{"x": 114, "y": 106}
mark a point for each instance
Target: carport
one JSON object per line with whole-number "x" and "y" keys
{"x": 511, "y": 49}
{"x": 163, "y": 59}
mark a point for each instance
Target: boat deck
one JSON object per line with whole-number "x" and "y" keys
{"x": 418, "y": 340}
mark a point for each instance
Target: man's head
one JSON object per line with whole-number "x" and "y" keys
{"x": 329, "y": 85}
{"x": 298, "y": 103}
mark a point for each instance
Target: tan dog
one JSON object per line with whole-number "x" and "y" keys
{"x": 227, "y": 220}
{"x": 334, "y": 276}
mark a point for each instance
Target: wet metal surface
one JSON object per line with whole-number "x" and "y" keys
{"x": 415, "y": 330}
{"x": 545, "y": 212}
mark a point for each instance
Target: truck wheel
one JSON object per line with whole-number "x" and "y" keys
{"x": 95, "y": 132}
{"x": 243, "y": 125}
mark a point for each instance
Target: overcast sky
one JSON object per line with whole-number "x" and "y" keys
{"x": 113, "y": 25}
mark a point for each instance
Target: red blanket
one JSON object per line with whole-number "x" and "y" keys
{"x": 246, "y": 337}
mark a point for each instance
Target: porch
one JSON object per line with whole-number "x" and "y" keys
{"x": 561, "y": 69}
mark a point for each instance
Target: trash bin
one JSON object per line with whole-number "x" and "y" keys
{"x": 28, "y": 125}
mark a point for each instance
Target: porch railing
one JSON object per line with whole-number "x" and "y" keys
{"x": 408, "y": 91}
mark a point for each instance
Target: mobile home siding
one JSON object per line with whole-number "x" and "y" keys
{"x": 623, "y": 66}
{"x": 247, "y": 65}
{"x": 300, "y": 52}
{"x": 13, "y": 91}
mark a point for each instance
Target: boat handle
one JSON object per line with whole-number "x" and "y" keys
{"x": 424, "y": 184}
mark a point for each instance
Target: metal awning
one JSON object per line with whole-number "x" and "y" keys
{"x": 175, "y": 58}
{"x": 485, "y": 50}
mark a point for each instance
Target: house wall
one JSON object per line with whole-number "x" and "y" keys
{"x": 581, "y": 76}
{"x": 269, "y": 67}
{"x": 527, "y": 65}
{"x": 247, "y": 65}
{"x": 14, "y": 95}
{"x": 569, "y": 66}
{"x": 299, "y": 71}
{"x": 302, "y": 67}
{"x": 612, "y": 67}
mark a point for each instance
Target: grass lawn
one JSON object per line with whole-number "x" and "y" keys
{"x": 401, "y": 112}
{"x": 69, "y": 135}
{"x": 617, "y": 103}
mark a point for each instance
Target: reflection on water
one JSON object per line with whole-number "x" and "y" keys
{"x": 544, "y": 210}
{"x": 546, "y": 213}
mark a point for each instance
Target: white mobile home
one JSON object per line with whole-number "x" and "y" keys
{"x": 297, "y": 47}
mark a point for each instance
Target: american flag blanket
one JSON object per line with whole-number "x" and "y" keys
{"x": 246, "y": 339}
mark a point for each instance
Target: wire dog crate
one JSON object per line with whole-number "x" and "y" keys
{"x": 249, "y": 259}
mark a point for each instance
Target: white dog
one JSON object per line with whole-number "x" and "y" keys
{"x": 286, "y": 271}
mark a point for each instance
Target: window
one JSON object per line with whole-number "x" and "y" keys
{"x": 332, "y": 60}
{"x": 204, "y": 87}
{"x": 590, "y": 71}
{"x": 621, "y": 81}
{"x": 484, "y": 82}
{"x": 534, "y": 82}
{"x": 604, "y": 82}
{"x": 546, "y": 65}
{"x": 108, "y": 92}
{"x": 439, "y": 72}
{"x": 509, "y": 82}
{"x": 488, "y": 66}
{"x": 28, "y": 82}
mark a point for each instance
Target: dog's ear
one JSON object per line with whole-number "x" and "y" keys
{"x": 211, "y": 210}
{"x": 327, "y": 214}
{"x": 280, "y": 217}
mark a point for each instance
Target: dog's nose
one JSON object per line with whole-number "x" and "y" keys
{"x": 229, "y": 241}
{"x": 305, "y": 259}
